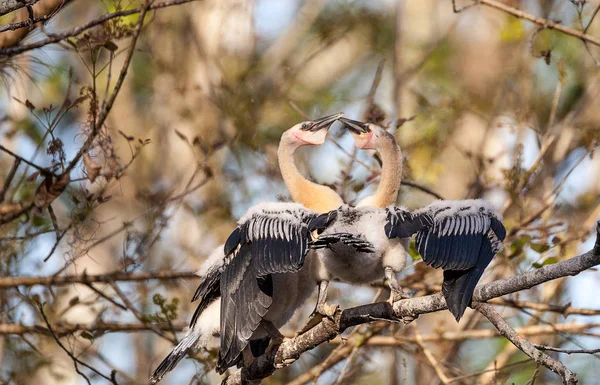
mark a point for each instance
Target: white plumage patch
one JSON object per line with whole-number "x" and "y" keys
{"x": 292, "y": 211}
{"x": 441, "y": 209}
{"x": 215, "y": 259}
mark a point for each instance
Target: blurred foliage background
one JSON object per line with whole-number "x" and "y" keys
{"x": 502, "y": 110}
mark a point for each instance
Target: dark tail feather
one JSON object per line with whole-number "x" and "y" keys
{"x": 259, "y": 347}
{"x": 174, "y": 357}
{"x": 459, "y": 285}
{"x": 458, "y": 288}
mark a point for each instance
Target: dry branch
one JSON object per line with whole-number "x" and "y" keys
{"x": 99, "y": 328}
{"x": 29, "y": 14}
{"x": 56, "y": 38}
{"x": 8, "y": 6}
{"x": 525, "y": 346}
{"x": 292, "y": 349}
{"x": 53, "y": 280}
{"x": 537, "y": 20}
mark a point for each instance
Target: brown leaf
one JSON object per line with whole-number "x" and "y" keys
{"x": 92, "y": 168}
{"x": 48, "y": 190}
{"x": 10, "y": 208}
{"x": 29, "y": 105}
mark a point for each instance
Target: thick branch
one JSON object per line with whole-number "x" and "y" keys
{"x": 290, "y": 350}
{"x": 61, "y": 280}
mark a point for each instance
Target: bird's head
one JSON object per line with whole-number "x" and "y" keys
{"x": 313, "y": 132}
{"x": 367, "y": 136}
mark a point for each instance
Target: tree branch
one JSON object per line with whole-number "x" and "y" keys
{"x": 56, "y": 38}
{"x": 537, "y": 20}
{"x": 328, "y": 329}
{"x": 85, "y": 279}
{"x": 99, "y": 328}
{"x": 8, "y": 6}
{"x": 525, "y": 346}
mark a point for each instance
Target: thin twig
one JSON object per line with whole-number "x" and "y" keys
{"x": 109, "y": 103}
{"x": 525, "y": 346}
{"x": 567, "y": 351}
{"x": 76, "y": 360}
{"x": 432, "y": 360}
{"x": 53, "y": 280}
{"x": 9, "y": 178}
{"x": 537, "y": 20}
{"x": 43, "y": 170}
{"x": 56, "y": 38}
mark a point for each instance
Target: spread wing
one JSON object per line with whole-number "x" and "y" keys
{"x": 266, "y": 243}
{"x": 461, "y": 237}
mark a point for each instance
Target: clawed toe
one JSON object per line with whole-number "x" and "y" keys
{"x": 397, "y": 295}
{"x": 324, "y": 311}
{"x": 328, "y": 311}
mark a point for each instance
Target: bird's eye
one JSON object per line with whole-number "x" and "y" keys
{"x": 304, "y": 126}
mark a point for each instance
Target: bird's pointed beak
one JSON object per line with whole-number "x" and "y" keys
{"x": 355, "y": 126}
{"x": 324, "y": 122}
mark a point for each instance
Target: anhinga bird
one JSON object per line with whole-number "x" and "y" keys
{"x": 461, "y": 236}
{"x": 269, "y": 272}
{"x": 297, "y": 286}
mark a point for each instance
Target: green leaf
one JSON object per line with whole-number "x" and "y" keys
{"x": 547, "y": 261}
{"x": 412, "y": 251}
{"x": 539, "y": 247}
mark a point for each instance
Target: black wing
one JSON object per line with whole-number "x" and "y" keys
{"x": 267, "y": 243}
{"x": 460, "y": 237}
{"x": 208, "y": 291}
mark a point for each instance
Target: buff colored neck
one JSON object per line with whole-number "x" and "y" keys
{"x": 313, "y": 196}
{"x": 391, "y": 175}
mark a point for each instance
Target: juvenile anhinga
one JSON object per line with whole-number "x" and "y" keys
{"x": 461, "y": 237}
{"x": 297, "y": 286}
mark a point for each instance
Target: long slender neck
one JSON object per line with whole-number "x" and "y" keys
{"x": 313, "y": 196}
{"x": 391, "y": 175}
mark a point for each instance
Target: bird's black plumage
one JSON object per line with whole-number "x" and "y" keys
{"x": 267, "y": 243}
{"x": 208, "y": 291}
{"x": 274, "y": 239}
{"x": 461, "y": 237}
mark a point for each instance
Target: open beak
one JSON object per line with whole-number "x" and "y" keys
{"x": 355, "y": 126}
{"x": 324, "y": 122}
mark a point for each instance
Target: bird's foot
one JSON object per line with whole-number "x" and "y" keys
{"x": 328, "y": 310}
{"x": 313, "y": 320}
{"x": 397, "y": 295}
{"x": 324, "y": 311}
{"x": 286, "y": 362}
